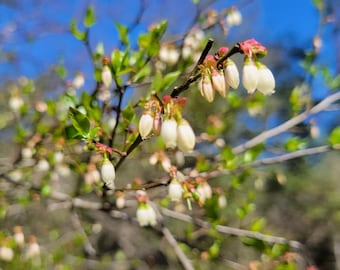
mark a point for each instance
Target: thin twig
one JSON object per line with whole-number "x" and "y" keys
{"x": 233, "y": 231}
{"x": 193, "y": 76}
{"x": 289, "y": 156}
{"x": 87, "y": 245}
{"x": 186, "y": 263}
{"x": 287, "y": 125}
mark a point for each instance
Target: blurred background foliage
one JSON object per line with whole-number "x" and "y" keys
{"x": 297, "y": 199}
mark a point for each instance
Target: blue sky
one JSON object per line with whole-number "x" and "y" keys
{"x": 37, "y": 34}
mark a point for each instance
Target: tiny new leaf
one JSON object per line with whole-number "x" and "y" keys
{"x": 80, "y": 122}
{"x": 334, "y": 137}
{"x": 90, "y": 18}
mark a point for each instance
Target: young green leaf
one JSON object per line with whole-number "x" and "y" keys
{"x": 76, "y": 32}
{"x": 90, "y": 18}
{"x": 79, "y": 121}
{"x": 123, "y": 33}
{"x": 169, "y": 79}
{"x": 334, "y": 137}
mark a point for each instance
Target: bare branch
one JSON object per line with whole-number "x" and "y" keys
{"x": 288, "y": 156}
{"x": 233, "y": 231}
{"x": 186, "y": 263}
{"x": 288, "y": 124}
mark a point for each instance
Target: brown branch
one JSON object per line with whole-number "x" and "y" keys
{"x": 289, "y": 156}
{"x": 233, "y": 231}
{"x": 193, "y": 76}
{"x": 186, "y": 263}
{"x": 287, "y": 125}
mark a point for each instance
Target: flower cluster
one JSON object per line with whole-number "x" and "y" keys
{"x": 166, "y": 120}
{"x": 219, "y": 77}
{"x": 30, "y": 249}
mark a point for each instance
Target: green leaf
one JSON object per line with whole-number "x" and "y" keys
{"x": 295, "y": 143}
{"x": 46, "y": 190}
{"x": 128, "y": 113}
{"x": 20, "y": 133}
{"x": 258, "y": 225}
{"x": 279, "y": 250}
{"x": 61, "y": 71}
{"x": 319, "y": 4}
{"x": 142, "y": 73}
{"x": 79, "y": 121}
{"x": 169, "y": 79}
{"x": 150, "y": 41}
{"x": 123, "y": 33}
{"x": 252, "y": 242}
{"x": 228, "y": 158}
{"x": 157, "y": 82}
{"x": 71, "y": 133}
{"x": 90, "y": 18}
{"x": 334, "y": 137}
{"x": 76, "y": 32}
{"x": 251, "y": 154}
{"x": 93, "y": 133}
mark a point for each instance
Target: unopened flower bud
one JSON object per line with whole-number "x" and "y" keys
{"x": 108, "y": 174}
{"x": 234, "y": 17}
{"x": 78, "y": 80}
{"x": 58, "y": 157}
{"x": 106, "y": 76}
{"x": 186, "y": 138}
{"x": 120, "y": 201}
{"x": 145, "y": 125}
{"x": 168, "y": 54}
{"x": 6, "y": 253}
{"x": 207, "y": 90}
{"x": 231, "y": 74}
{"x": 43, "y": 165}
{"x": 157, "y": 124}
{"x": 33, "y": 248}
{"x": 18, "y": 236}
{"x": 249, "y": 76}
{"x": 218, "y": 82}
{"x": 169, "y": 133}
{"x": 146, "y": 215}
{"x": 266, "y": 81}
{"x": 222, "y": 201}
{"x": 204, "y": 191}
{"x": 15, "y": 103}
{"x": 175, "y": 190}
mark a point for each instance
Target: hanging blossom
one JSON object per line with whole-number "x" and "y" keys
{"x": 175, "y": 188}
{"x": 146, "y": 215}
{"x": 108, "y": 173}
{"x": 256, "y": 76}
{"x": 150, "y": 121}
{"x": 106, "y": 72}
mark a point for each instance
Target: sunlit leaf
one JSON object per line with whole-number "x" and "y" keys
{"x": 295, "y": 143}
{"x": 123, "y": 33}
{"x": 251, "y": 154}
{"x": 128, "y": 113}
{"x": 79, "y": 121}
{"x": 334, "y": 137}
{"x": 90, "y": 18}
{"x": 170, "y": 78}
{"x": 142, "y": 74}
{"x": 76, "y": 32}
{"x": 279, "y": 250}
{"x": 258, "y": 224}
{"x": 156, "y": 84}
